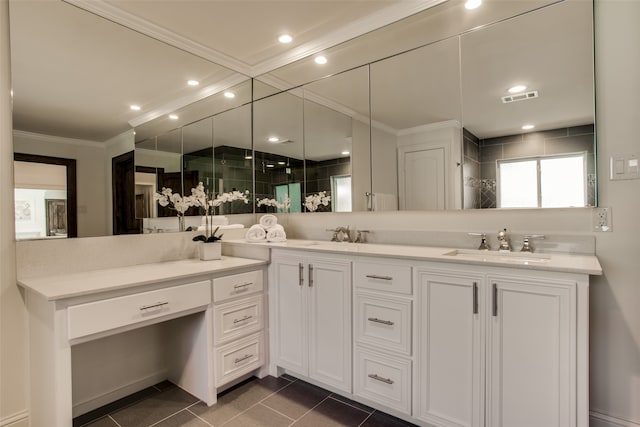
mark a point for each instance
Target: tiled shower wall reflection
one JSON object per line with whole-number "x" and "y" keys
{"x": 480, "y": 156}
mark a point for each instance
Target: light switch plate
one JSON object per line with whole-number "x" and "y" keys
{"x": 601, "y": 219}
{"x": 624, "y": 166}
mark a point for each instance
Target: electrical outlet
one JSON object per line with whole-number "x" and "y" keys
{"x": 602, "y": 219}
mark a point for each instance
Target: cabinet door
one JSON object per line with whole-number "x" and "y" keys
{"x": 532, "y": 342}
{"x": 290, "y": 314}
{"x": 451, "y": 353}
{"x": 329, "y": 285}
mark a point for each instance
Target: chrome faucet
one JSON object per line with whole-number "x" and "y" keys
{"x": 340, "y": 233}
{"x": 344, "y": 234}
{"x": 503, "y": 239}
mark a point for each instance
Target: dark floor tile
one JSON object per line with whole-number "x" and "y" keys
{"x": 259, "y": 416}
{"x": 380, "y": 419}
{"x": 273, "y": 383}
{"x": 235, "y": 401}
{"x": 332, "y": 413}
{"x": 84, "y": 419}
{"x": 183, "y": 418}
{"x": 352, "y": 403}
{"x": 102, "y": 422}
{"x": 288, "y": 377}
{"x": 155, "y": 408}
{"x": 296, "y": 399}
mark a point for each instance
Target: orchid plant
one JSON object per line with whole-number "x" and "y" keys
{"x": 313, "y": 201}
{"x": 285, "y": 204}
{"x": 174, "y": 201}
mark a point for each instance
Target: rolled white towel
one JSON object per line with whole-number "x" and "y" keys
{"x": 268, "y": 221}
{"x": 276, "y": 234}
{"x": 256, "y": 234}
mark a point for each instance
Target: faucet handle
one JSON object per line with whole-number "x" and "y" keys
{"x": 334, "y": 238}
{"x": 361, "y": 236}
{"x": 526, "y": 245}
{"x": 484, "y": 246}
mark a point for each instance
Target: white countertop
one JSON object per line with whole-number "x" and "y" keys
{"x": 97, "y": 281}
{"x": 571, "y": 263}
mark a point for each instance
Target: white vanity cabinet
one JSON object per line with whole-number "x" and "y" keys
{"x": 238, "y": 323}
{"x": 503, "y": 345}
{"x": 96, "y": 310}
{"x": 450, "y": 335}
{"x": 383, "y": 302}
{"x": 310, "y": 317}
{"x": 532, "y": 338}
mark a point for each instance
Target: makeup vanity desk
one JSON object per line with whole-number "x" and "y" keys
{"x": 71, "y": 309}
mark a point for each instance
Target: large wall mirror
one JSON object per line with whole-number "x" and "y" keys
{"x": 446, "y": 132}
{"x": 416, "y": 115}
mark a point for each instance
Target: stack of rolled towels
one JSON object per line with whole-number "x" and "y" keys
{"x": 268, "y": 229}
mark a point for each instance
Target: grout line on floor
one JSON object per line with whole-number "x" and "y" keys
{"x": 198, "y": 416}
{"x": 318, "y": 404}
{"x": 365, "y": 420}
{"x": 111, "y": 418}
{"x": 167, "y": 417}
{"x": 349, "y": 404}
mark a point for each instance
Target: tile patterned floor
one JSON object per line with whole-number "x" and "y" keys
{"x": 267, "y": 402}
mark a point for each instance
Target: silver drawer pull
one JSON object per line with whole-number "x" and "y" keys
{"x": 242, "y": 320}
{"x": 375, "y": 276}
{"x": 376, "y": 320}
{"x": 243, "y": 358}
{"x": 156, "y": 305}
{"x": 243, "y": 285}
{"x": 378, "y": 378}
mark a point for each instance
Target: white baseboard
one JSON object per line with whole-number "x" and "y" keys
{"x": 19, "y": 419}
{"x": 118, "y": 393}
{"x": 597, "y": 419}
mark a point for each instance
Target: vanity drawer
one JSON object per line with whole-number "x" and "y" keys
{"x": 239, "y": 358}
{"x": 385, "y": 380}
{"x": 383, "y": 322}
{"x": 104, "y": 315}
{"x": 238, "y": 318}
{"x": 236, "y": 285}
{"x": 383, "y": 277}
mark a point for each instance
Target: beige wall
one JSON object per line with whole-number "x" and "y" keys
{"x": 615, "y": 297}
{"x": 13, "y": 346}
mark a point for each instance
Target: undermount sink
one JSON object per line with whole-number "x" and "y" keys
{"x": 496, "y": 256}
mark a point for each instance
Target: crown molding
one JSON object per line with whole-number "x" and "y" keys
{"x": 133, "y": 22}
{"x": 41, "y": 137}
{"x": 357, "y": 28}
{"x": 446, "y": 124}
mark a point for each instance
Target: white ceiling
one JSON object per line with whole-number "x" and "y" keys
{"x": 76, "y": 73}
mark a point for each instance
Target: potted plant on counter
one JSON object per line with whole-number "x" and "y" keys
{"x": 209, "y": 247}
{"x": 209, "y": 244}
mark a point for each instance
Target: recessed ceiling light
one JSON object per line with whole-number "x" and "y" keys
{"x": 135, "y": 107}
{"x": 517, "y": 89}
{"x": 271, "y": 165}
{"x": 173, "y": 117}
{"x": 285, "y": 38}
{"x": 345, "y": 153}
{"x": 527, "y": 127}
{"x": 193, "y": 82}
{"x": 472, "y": 4}
{"x": 320, "y": 60}
{"x": 273, "y": 139}
{"x": 282, "y": 163}
{"x": 248, "y": 157}
{"x": 229, "y": 95}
